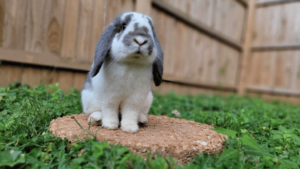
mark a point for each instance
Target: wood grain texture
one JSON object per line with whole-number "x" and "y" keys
{"x": 275, "y": 69}
{"x": 35, "y": 40}
{"x": 197, "y": 24}
{"x": 78, "y": 80}
{"x": 15, "y": 24}
{"x": 10, "y": 73}
{"x": 46, "y": 59}
{"x": 277, "y": 25}
{"x": 181, "y": 89}
{"x": 226, "y": 17}
{"x": 2, "y": 16}
{"x": 84, "y": 35}
{"x": 243, "y": 66}
{"x": 98, "y": 23}
{"x": 143, "y": 6}
{"x": 265, "y": 3}
{"x": 65, "y": 80}
{"x": 193, "y": 57}
{"x": 70, "y": 29}
{"x": 229, "y": 18}
{"x": 54, "y": 22}
{"x": 31, "y": 76}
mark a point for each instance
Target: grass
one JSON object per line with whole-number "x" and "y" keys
{"x": 261, "y": 134}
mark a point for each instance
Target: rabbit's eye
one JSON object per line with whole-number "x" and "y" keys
{"x": 124, "y": 26}
{"x": 118, "y": 29}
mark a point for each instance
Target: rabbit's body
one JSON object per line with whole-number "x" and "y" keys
{"x": 118, "y": 89}
{"x": 122, "y": 82}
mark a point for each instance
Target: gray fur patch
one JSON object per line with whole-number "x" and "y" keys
{"x": 104, "y": 44}
{"x": 88, "y": 82}
{"x": 126, "y": 21}
{"x": 139, "y": 31}
{"x": 157, "y": 69}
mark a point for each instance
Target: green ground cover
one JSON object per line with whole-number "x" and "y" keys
{"x": 262, "y": 134}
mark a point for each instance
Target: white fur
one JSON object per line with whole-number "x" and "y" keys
{"x": 122, "y": 85}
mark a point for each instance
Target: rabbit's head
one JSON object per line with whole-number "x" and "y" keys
{"x": 130, "y": 37}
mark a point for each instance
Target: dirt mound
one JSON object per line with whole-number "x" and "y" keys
{"x": 179, "y": 138}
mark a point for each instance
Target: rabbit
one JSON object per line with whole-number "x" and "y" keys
{"x": 128, "y": 58}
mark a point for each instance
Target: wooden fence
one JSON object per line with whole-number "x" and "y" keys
{"x": 209, "y": 45}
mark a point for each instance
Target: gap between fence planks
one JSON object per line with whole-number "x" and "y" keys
{"x": 242, "y": 79}
{"x": 46, "y": 59}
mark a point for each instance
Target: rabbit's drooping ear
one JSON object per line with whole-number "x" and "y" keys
{"x": 102, "y": 49}
{"x": 158, "y": 65}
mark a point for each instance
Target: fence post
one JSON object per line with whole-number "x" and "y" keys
{"x": 143, "y": 6}
{"x": 247, "y": 46}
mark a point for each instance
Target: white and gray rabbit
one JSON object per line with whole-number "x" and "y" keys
{"x": 128, "y": 56}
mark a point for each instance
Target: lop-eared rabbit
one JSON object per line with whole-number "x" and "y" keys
{"x": 128, "y": 56}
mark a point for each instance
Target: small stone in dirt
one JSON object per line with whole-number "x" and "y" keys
{"x": 176, "y": 112}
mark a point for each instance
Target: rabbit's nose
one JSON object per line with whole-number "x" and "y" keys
{"x": 140, "y": 42}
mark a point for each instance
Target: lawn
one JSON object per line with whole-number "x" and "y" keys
{"x": 261, "y": 134}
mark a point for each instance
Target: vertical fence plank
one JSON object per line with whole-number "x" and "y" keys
{"x": 78, "y": 80}
{"x": 34, "y": 26}
{"x": 31, "y": 76}
{"x": 14, "y": 24}
{"x": 54, "y": 24}
{"x": 2, "y": 14}
{"x": 83, "y": 50}
{"x": 98, "y": 24}
{"x": 65, "y": 80}
{"x": 70, "y": 29}
{"x": 143, "y": 6}
{"x": 242, "y": 79}
{"x": 9, "y": 73}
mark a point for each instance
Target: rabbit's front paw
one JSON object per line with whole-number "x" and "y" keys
{"x": 143, "y": 119}
{"x": 130, "y": 128}
{"x": 110, "y": 124}
{"x": 95, "y": 118}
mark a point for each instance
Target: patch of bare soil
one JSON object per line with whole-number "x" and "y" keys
{"x": 179, "y": 138}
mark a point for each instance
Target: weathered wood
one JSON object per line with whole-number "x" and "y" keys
{"x": 10, "y": 73}
{"x": 189, "y": 82}
{"x": 277, "y": 25}
{"x": 83, "y": 46}
{"x": 263, "y": 3}
{"x": 243, "y": 68}
{"x": 276, "y": 91}
{"x": 243, "y": 2}
{"x": 78, "y": 80}
{"x": 196, "y": 24}
{"x": 45, "y": 59}
{"x": 178, "y": 88}
{"x": 14, "y": 24}
{"x": 229, "y": 19}
{"x": 54, "y": 22}
{"x": 65, "y": 80}
{"x": 31, "y": 76}
{"x": 70, "y": 29}
{"x": 35, "y": 40}
{"x": 276, "y": 47}
{"x": 98, "y": 23}
{"x": 143, "y": 6}
{"x": 2, "y": 14}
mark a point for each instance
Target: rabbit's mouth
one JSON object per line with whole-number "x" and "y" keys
{"x": 137, "y": 56}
